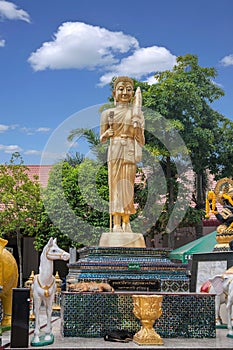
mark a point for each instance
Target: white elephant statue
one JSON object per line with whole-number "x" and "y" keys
{"x": 223, "y": 286}
{"x": 207, "y": 287}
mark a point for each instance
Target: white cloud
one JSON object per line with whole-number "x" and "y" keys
{"x": 9, "y": 10}
{"x": 26, "y": 130}
{"x": 151, "y": 80}
{"x": 79, "y": 45}
{"x": 10, "y": 148}
{"x": 3, "y": 128}
{"x": 43, "y": 129}
{"x": 2, "y": 43}
{"x": 217, "y": 84}
{"x": 32, "y": 131}
{"x": 32, "y": 152}
{"x": 227, "y": 60}
{"x": 142, "y": 62}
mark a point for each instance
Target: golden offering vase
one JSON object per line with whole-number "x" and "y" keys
{"x": 147, "y": 308}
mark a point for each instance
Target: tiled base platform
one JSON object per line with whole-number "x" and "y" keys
{"x": 187, "y": 315}
{"x": 130, "y": 269}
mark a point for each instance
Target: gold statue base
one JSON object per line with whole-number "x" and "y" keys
{"x": 221, "y": 247}
{"x": 147, "y": 308}
{"x": 147, "y": 337}
{"x": 122, "y": 239}
{"x": 56, "y": 307}
{"x": 223, "y": 237}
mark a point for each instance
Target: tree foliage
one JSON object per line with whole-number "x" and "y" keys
{"x": 71, "y": 201}
{"x": 184, "y": 96}
{"x": 20, "y": 202}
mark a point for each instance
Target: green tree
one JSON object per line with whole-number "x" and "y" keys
{"x": 222, "y": 159}
{"x": 72, "y": 198}
{"x": 47, "y": 229}
{"x": 54, "y": 220}
{"x": 20, "y": 203}
{"x": 74, "y": 158}
{"x": 184, "y": 97}
{"x": 92, "y": 137}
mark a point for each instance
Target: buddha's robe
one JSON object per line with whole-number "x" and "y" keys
{"x": 123, "y": 153}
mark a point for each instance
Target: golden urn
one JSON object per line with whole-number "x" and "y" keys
{"x": 147, "y": 308}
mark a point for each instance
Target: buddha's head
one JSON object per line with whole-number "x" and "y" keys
{"x": 123, "y": 91}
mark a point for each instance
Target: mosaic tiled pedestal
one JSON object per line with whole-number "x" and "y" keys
{"x": 132, "y": 269}
{"x": 187, "y": 315}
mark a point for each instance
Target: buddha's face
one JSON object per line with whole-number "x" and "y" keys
{"x": 123, "y": 92}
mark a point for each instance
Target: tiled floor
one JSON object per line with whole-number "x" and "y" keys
{"x": 220, "y": 342}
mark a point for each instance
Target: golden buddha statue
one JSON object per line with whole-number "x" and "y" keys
{"x": 124, "y": 126}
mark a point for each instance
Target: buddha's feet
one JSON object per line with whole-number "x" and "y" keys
{"x": 126, "y": 227}
{"x": 117, "y": 228}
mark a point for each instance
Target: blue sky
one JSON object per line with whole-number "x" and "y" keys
{"x": 57, "y": 57}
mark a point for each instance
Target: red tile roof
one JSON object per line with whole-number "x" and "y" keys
{"x": 42, "y": 171}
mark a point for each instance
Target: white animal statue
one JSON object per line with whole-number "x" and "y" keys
{"x": 223, "y": 286}
{"x": 207, "y": 287}
{"x": 44, "y": 288}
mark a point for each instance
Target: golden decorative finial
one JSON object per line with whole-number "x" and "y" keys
{"x": 28, "y": 284}
{"x": 58, "y": 282}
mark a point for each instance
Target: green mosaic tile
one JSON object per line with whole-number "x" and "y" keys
{"x": 92, "y": 315}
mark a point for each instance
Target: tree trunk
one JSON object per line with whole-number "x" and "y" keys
{"x": 171, "y": 240}
{"x": 20, "y": 259}
{"x": 169, "y": 184}
{"x": 199, "y": 181}
{"x": 170, "y": 187}
{"x": 200, "y": 201}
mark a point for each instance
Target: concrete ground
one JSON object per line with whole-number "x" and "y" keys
{"x": 220, "y": 342}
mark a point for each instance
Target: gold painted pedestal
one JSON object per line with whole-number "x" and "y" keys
{"x": 223, "y": 237}
{"x": 122, "y": 239}
{"x": 147, "y": 308}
